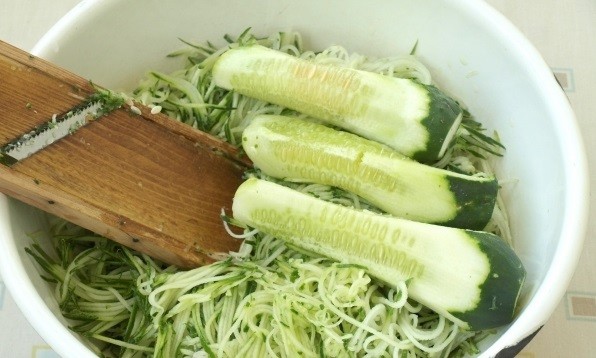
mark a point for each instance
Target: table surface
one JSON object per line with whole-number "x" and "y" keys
{"x": 561, "y": 30}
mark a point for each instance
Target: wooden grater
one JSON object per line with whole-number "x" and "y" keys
{"x": 144, "y": 180}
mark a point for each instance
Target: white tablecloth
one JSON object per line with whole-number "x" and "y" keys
{"x": 563, "y": 31}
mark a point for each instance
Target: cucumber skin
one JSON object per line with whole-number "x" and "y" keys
{"x": 497, "y": 250}
{"x": 475, "y": 203}
{"x": 416, "y": 135}
{"x": 463, "y": 201}
{"x": 440, "y": 107}
{"x": 494, "y": 300}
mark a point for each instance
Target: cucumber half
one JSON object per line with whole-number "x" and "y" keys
{"x": 417, "y": 120}
{"x": 294, "y": 149}
{"x": 473, "y": 278}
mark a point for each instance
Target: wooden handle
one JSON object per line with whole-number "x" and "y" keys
{"x": 145, "y": 181}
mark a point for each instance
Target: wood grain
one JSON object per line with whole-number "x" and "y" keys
{"x": 145, "y": 181}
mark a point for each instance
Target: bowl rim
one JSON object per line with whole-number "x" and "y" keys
{"x": 556, "y": 279}
{"x": 28, "y": 299}
{"x": 574, "y": 226}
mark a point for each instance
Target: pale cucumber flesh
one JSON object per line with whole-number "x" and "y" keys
{"x": 293, "y": 149}
{"x": 473, "y": 278}
{"x": 417, "y": 120}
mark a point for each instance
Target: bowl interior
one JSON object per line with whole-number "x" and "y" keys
{"x": 479, "y": 58}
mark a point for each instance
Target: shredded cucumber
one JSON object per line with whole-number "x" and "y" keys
{"x": 269, "y": 299}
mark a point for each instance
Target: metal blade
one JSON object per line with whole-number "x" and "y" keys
{"x": 56, "y": 128}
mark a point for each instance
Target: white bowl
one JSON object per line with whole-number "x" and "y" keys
{"x": 472, "y": 51}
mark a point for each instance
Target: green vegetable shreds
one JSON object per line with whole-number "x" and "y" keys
{"x": 267, "y": 300}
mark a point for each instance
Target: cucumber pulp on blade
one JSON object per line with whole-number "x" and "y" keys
{"x": 297, "y": 150}
{"x": 415, "y": 119}
{"x": 473, "y": 278}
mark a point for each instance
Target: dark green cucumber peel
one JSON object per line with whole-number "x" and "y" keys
{"x": 441, "y": 108}
{"x": 500, "y": 291}
{"x": 475, "y": 203}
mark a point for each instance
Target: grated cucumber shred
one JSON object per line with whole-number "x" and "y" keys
{"x": 270, "y": 301}
{"x": 267, "y": 299}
